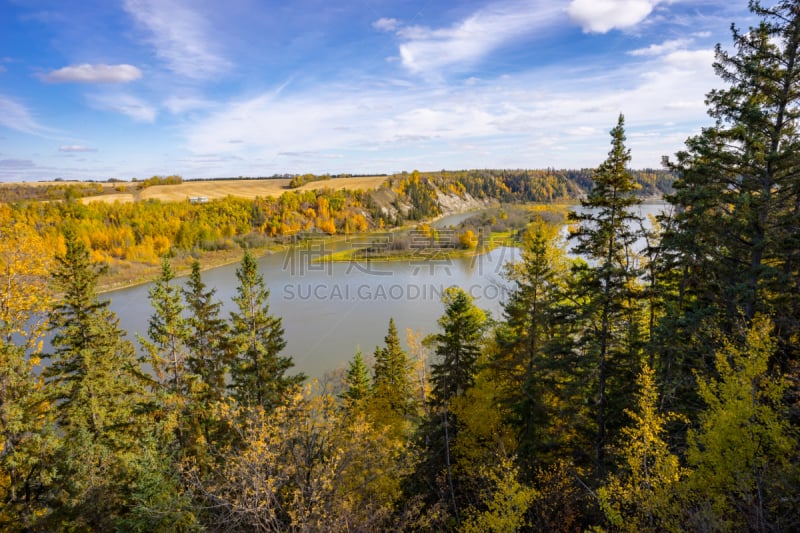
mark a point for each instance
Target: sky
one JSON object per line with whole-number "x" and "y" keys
{"x": 99, "y": 89}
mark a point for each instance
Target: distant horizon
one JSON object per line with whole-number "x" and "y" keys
{"x": 342, "y": 175}
{"x": 135, "y": 88}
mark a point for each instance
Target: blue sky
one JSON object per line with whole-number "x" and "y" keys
{"x": 209, "y": 88}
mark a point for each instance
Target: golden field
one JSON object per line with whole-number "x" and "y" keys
{"x": 237, "y": 188}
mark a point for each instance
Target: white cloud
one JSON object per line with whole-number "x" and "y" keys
{"x": 429, "y": 49}
{"x": 180, "y": 37}
{"x": 543, "y": 117}
{"x": 16, "y": 116}
{"x": 386, "y": 24}
{"x": 661, "y": 49}
{"x": 127, "y": 104}
{"x": 75, "y": 148}
{"x": 601, "y": 16}
{"x": 86, "y": 73}
{"x": 181, "y": 104}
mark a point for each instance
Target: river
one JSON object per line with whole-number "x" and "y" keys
{"x": 330, "y": 309}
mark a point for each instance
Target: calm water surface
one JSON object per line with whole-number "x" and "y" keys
{"x": 331, "y": 309}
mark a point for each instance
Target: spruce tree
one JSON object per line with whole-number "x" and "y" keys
{"x": 258, "y": 371}
{"x": 735, "y": 247}
{"x": 605, "y": 236}
{"x": 96, "y": 388}
{"x": 392, "y": 381}
{"x": 168, "y": 333}
{"x": 357, "y": 381}
{"x": 457, "y": 346}
{"x": 526, "y": 357}
{"x": 208, "y": 338}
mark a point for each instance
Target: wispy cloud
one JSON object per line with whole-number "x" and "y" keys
{"x": 425, "y": 50}
{"x": 75, "y": 148}
{"x": 16, "y": 116}
{"x": 180, "y": 37}
{"x": 127, "y": 104}
{"x": 86, "y": 73}
{"x": 545, "y": 117}
{"x": 181, "y": 104}
{"x": 386, "y": 24}
{"x": 601, "y": 16}
{"x": 663, "y": 48}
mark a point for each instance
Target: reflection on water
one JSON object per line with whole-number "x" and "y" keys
{"x": 331, "y": 309}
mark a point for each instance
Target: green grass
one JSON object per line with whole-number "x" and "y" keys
{"x": 356, "y": 254}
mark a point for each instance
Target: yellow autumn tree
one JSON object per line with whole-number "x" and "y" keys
{"x": 305, "y": 466}
{"x": 26, "y": 437}
{"x": 643, "y": 496}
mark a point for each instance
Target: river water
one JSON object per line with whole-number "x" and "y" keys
{"x": 331, "y": 309}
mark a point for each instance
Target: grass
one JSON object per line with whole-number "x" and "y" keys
{"x": 495, "y": 240}
{"x": 249, "y": 189}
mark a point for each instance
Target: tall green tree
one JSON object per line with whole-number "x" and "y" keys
{"x": 208, "y": 338}
{"x": 530, "y": 367}
{"x": 605, "y": 236}
{"x": 458, "y": 345}
{"x": 168, "y": 334}
{"x": 96, "y": 386}
{"x": 258, "y": 372}
{"x": 457, "y": 348}
{"x": 735, "y": 245}
{"x": 357, "y": 381}
{"x": 393, "y": 406}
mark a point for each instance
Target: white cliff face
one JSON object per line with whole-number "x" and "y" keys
{"x": 452, "y": 203}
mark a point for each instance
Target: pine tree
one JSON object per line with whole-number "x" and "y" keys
{"x": 258, "y": 371}
{"x": 209, "y": 347}
{"x": 605, "y": 236}
{"x": 168, "y": 334}
{"x": 393, "y": 388}
{"x": 531, "y": 369}
{"x": 96, "y": 388}
{"x": 457, "y": 346}
{"x": 357, "y": 381}
{"x": 735, "y": 246}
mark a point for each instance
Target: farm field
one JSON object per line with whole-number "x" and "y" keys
{"x": 238, "y": 188}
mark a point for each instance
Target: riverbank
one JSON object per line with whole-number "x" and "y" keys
{"x": 124, "y": 274}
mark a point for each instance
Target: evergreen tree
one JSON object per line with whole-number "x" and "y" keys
{"x": 209, "y": 348}
{"x": 393, "y": 388}
{"x": 605, "y": 236}
{"x": 357, "y": 381}
{"x": 393, "y": 407}
{"x": 168, "y": 334}
{"x": 531, "y": 369}
{"x": 735, "y": 247}
{"x": 457, "y": 346}
{"x": 258, "y": 371}
{"x": 96, "y": 386}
